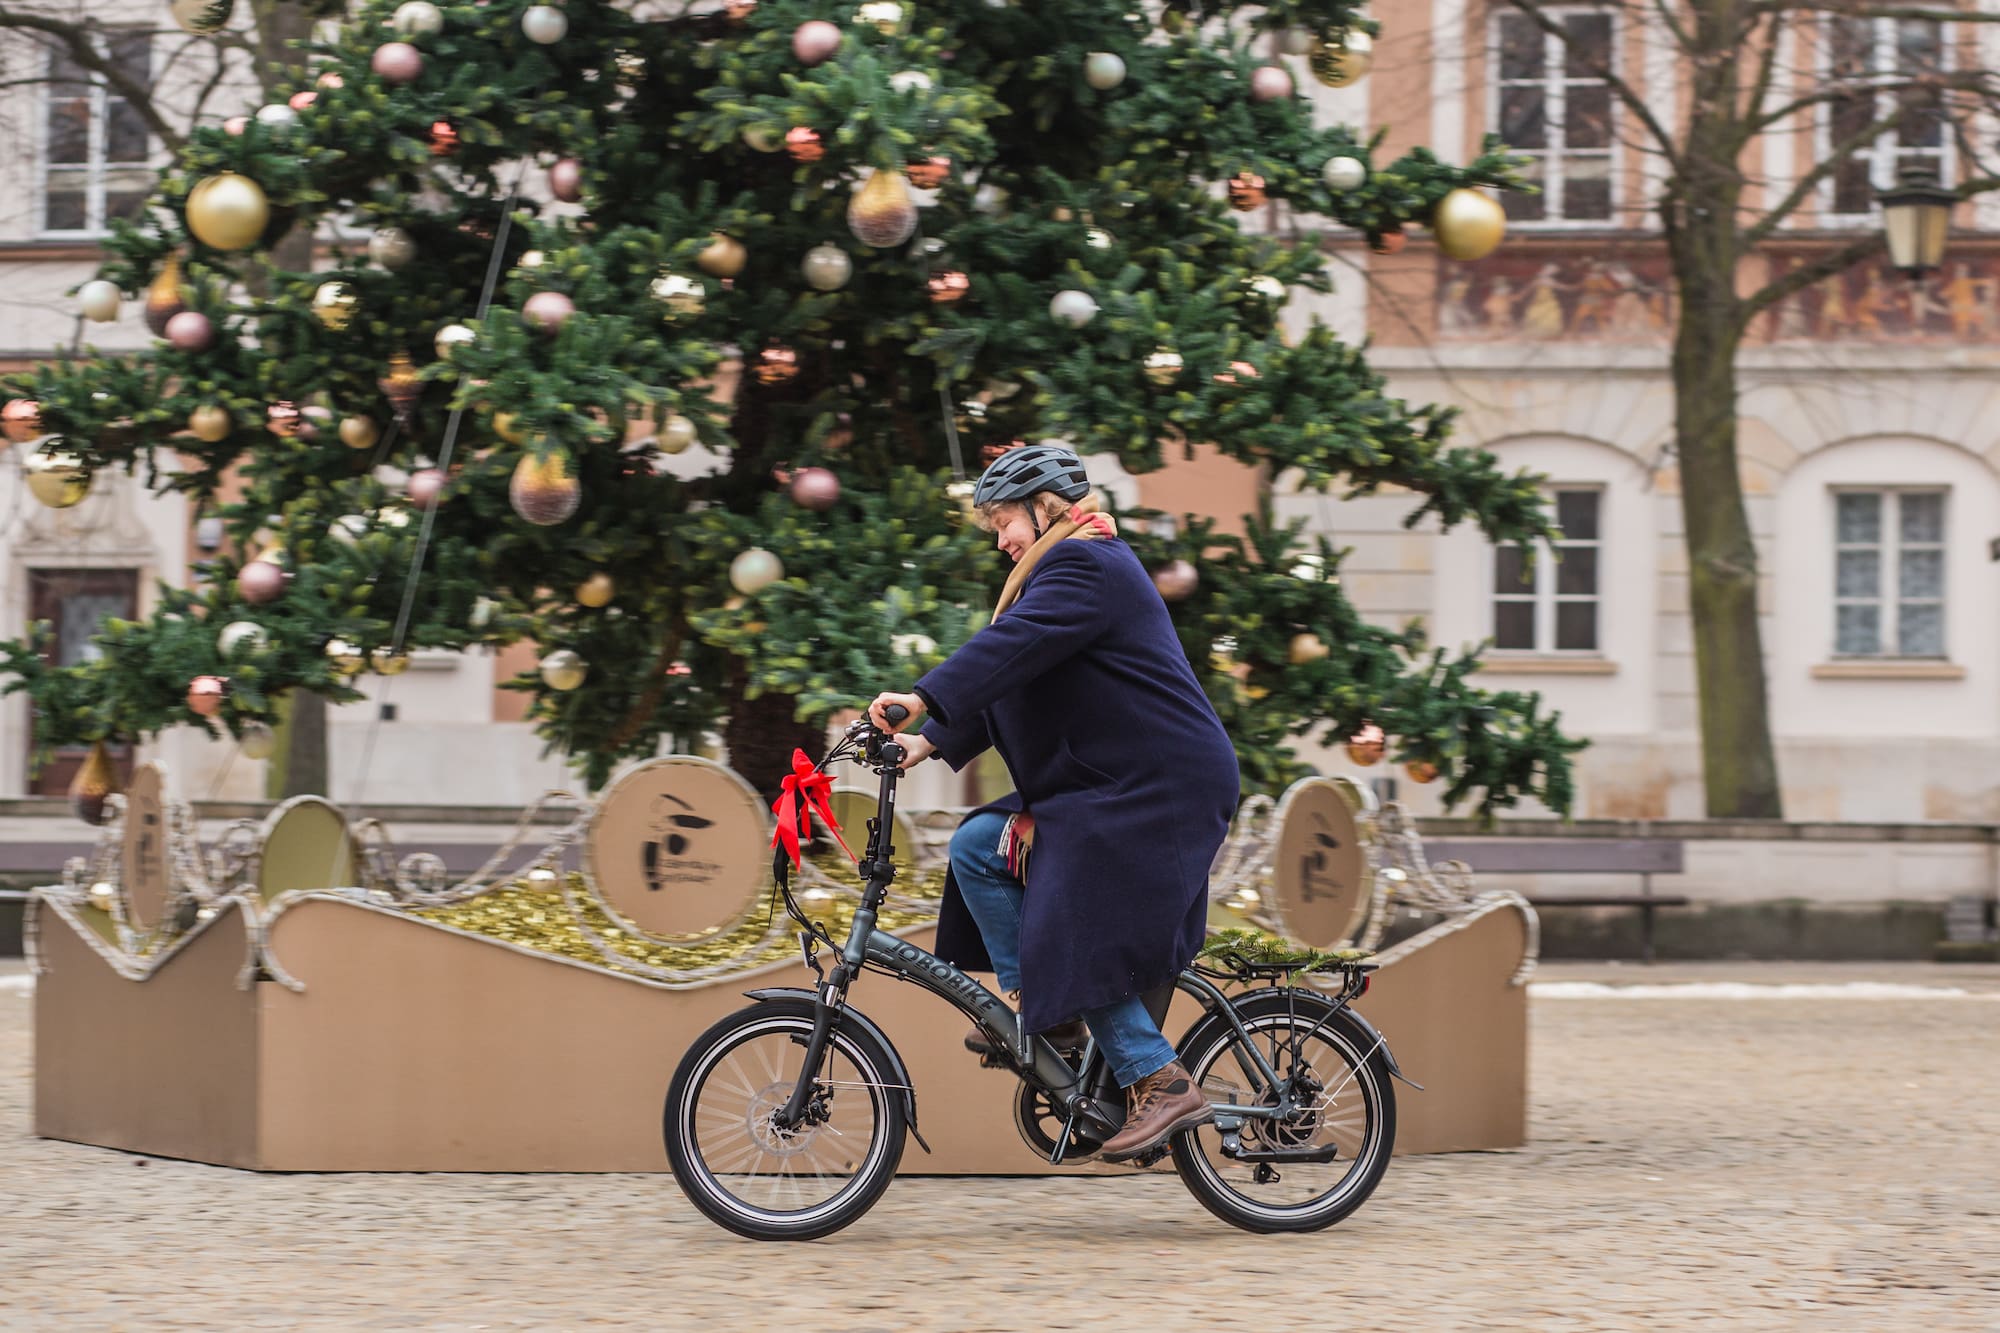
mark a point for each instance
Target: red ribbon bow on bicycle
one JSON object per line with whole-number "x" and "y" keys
{"x": 803, "y": 793}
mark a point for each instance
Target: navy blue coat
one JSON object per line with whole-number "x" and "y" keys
{"x": 1083, "y": 688}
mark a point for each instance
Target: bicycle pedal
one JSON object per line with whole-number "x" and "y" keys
{"x": 991, "y": 1060}
{"x": 1150, "y": 1157}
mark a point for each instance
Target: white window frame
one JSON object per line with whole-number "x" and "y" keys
{"x": 1545, "y": 596}
{"x": 1556, "y": 81}
{"x": 95, "y": 170}
{"x": 1881, "y": 164}
{"x": 1888, "y": 573}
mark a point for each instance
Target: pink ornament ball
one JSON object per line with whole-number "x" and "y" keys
{"x": 426, "y": 487}
{"x": 815, "y": 41}
{"x": 815, "y": 488}
{"x": 1271, "y": 83}
{"x": 191, "y": 331}
{"x": 547, "y": 311}
{"x": 236, "y": 125}
{"x": 205, "y": 695}
{"x": 313, "y": 420}
{"x": 331, "y": 80}
{"x": 300, "y": 101}
{"x": 397, "y": 62}
{"x": 566, "y": 180}
{"x": 1176, "y": 580}
{"x": 260, "y": 581}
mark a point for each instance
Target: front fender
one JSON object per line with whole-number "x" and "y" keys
{"x": 854, "y": 1017}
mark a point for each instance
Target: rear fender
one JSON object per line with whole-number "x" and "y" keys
{"x": 1256, "y": 1002}
{"x": 854, "y": 1018}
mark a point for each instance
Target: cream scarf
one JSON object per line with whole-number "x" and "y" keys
{"x": 1083, "y": 522}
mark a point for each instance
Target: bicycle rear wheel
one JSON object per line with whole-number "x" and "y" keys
{"x": 745, "y": 1172}
{"x": 1348, "y": 1113}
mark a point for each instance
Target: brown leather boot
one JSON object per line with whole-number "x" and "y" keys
{"x": 1069, "y": 1037}
{"x": 1160, "y": 1106}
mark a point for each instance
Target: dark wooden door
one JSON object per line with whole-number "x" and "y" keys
{"x": 76, "y": 602}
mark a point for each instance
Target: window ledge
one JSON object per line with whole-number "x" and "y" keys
{"x": 1888, "y": 669}
{"x": 1536, "y": 665}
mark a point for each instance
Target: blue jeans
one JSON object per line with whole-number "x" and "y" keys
{"x": 1131, "y": 1039}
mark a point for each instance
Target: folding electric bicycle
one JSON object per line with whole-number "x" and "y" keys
{"x": 785, "y": 1120}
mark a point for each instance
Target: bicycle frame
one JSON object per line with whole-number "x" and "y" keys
{"x": 1080, "y": 1090}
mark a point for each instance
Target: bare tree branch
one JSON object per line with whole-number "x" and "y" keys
{"x": 1802, "y": 189}
{"x": 1663, "y": 141}
{"x": 1839, "y": 261}
{"x": 78, "y": 38}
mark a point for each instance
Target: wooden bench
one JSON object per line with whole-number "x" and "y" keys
{"x": 1644, "y": 857}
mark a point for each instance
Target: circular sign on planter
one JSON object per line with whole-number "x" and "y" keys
{"x": 1322, "y": 878}
{"x": 679, "y": 847}
{"x": 144, "y": 867}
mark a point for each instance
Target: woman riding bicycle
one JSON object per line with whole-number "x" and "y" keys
{"x": 1126, "y": 785}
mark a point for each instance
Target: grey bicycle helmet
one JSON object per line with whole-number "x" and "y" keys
{"x": 1020, "y": 473}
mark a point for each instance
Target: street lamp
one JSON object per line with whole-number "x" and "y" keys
{"x": 1916, "y": 213}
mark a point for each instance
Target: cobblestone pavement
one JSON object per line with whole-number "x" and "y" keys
{"x": 1732, "y": 1163}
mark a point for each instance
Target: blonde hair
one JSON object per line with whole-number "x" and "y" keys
{"x": 1051, "y": 506}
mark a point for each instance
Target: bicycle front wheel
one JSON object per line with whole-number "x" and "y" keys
{"x": 1338, "y": 1139}
{"x": 747, "y": 1173}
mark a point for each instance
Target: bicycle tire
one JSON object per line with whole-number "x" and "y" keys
{"x": 875, "y": 1068}
{"x": 1210, "y": 1040}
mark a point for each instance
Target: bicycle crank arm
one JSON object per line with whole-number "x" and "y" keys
{"x": 1280, "y": 1154}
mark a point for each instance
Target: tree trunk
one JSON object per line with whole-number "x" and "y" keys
{"x": 305, "y": 747}
{"x": 1739, "y": 767}
{"x": 761, "y": 734}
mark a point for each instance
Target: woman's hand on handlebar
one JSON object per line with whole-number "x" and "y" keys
{"x": 912, "y": 706}
{"x": 916, "y": 748}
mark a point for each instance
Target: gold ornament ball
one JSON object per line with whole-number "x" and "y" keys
{"x": 1164, "y": 366}
{"x": 238, "y": 633}
{"x": 507, "y": 426}
{"x": 722, "y": 257}
{"x": 1343, "y": 59}
{"x": 564, "y": 669}
{"x": 1421, "y": 770}
{"x": 596, "y": 591}
{"x": 91, "y": 790}
{"x": 542, "y": 490}
{"x": 1305, "y": 648}
{"x": 345, "y": 657}
{"x": 885, "y": 16}
{"x": 227, "y": 212}
{"x": 754, "y": 570}
{"x": 1469, "y": 225}
{"x": 387, "y": 662}
{"x": 452, "y": 337}
{"x": 827, "y": 268}
{"x": 776, "y": 364}
{"x": 210, "y": 423}
{"x": 203, "y": 18}
{"x": 684, "y": 297}
{"x": 1367, "y": 745}
{"x": 881, "y": 213}
{"x": 335, "y": 304}
{"x": 359, "y": 432}
{"x": 57, "y": 480}
{"x": 676, "y": 434}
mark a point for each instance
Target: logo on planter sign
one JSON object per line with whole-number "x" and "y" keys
{"x": 677, "y": 848}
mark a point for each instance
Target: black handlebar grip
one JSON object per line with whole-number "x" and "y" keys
{"x": 896, "y": 713}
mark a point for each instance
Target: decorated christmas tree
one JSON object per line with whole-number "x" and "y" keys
{"x": 851, "y": 251}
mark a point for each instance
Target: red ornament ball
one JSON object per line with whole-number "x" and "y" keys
{"x": 1176, "y": 580}
{"x": 283, "y": 419}
{"x": 547, "y": 311}
{"x": 260, "y": 581}
{"x": 566, "y": 180}
{"x": 397, "y": 62}
{"x": 426, "y": 487}
{"x": 21, "y": 420}
{"x": 803, "y": 143}
{"x": 948, "y": 285}
{"x": 444, "y": 138}
{"x": 816, "y": 488}
{"x": 191, "y": 331}
{"x": 776, "y": 364}
{"x": 205, "y": 694}
{"x": 815, "y": 41}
